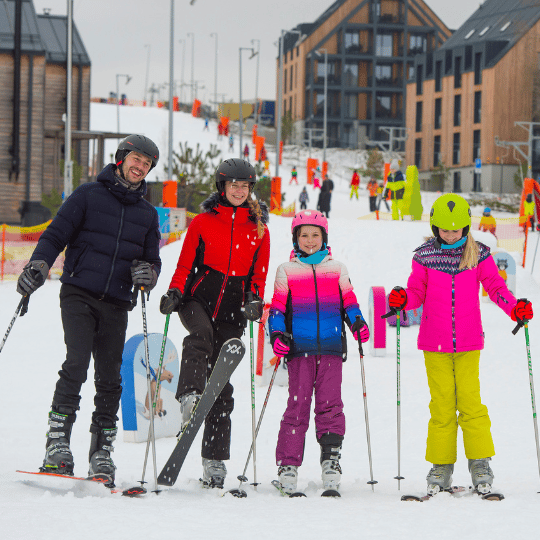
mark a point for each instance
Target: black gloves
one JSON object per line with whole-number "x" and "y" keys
{"x": 253, "y": 307}
{"x": 143, "y": 275}
{"x": 170, "y": 301}
{"x": 32, "y": 277}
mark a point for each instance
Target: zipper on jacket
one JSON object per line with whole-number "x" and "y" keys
{"x": 115, "y": 252}
{"x": 218, "y": 303}
{"x": 317, "y": 308}
{"x": 454, "y": 314}
{"x": 198, "y": 282}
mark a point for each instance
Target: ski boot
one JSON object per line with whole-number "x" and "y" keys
{"x": 58, "y": 456}
{"x": 101, "y": 446}
{"x": 188, "y": 402}
{"x": 481, "y": 474}
{"x": 439, "y": 478}
{"x": 288, "y": 478}
{"x": 214, "y": 472}
{"x": 330, "y": 454}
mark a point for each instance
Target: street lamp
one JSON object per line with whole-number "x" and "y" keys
{"x": 68, "y": 164}
{"x": 128, "y": 78}
{"x": 280, "y": 90}
{"x": 257, "y": 80}
{"x": 241, "y": 119}
{"x": 147, "y": 71}
{"x": 183, "y": 42}
{"x": 325, "y": 115}
{"x": 192, "y": 61}
{"x": 214, "y": 34}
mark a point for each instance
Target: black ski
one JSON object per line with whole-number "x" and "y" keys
{"x": 229, "y": 357}
{"x": 489, "y": 496}
{"x": 421, "y": 498}
{"x": 277, "y": 485}
{"x": 331, "y": 493}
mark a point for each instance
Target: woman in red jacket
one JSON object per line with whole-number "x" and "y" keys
{"x": 218, "y": 284}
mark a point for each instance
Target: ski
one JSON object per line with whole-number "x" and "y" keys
{"x": 489, "y": 496}
{"x": 421, "y": 498}
{"x": 277, "y": 485}
{"x": 229, "y": 357}
{"x": 331, "y": 493}
{"x": 50, "y": 479}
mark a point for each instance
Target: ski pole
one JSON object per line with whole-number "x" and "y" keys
{"x": 398, "y": 380}
{"x": 240, "y": 493}
{"x": 149, "y": 387}
{"x": 22, "y": 308}
{"x": 156, "y": 394}
{"x": 253, "y": 431}
{"x": 361, "y": 351}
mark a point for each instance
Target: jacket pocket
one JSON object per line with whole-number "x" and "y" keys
{"x": 77, "y": 263}
{"x": 198, "y": 282}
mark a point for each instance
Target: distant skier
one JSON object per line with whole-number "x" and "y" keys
{"x": 372, "y": 188}
{"x": 396, "y": 186}
{"x": 218, "y": 284}
{"x": 231, "y": 142}
{"x": 355, "y": 184}
{"x": 246, "y": 152}
{"x": 303, "y": 198}
{"x": 446, "y": 275}
{"x": 313, "y": 299}
{"x": 487, "y": 222}
{"x": 294, "y": 176}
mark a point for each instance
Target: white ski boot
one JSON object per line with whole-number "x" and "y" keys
{"x": 439, "y": 478}
{"x": 188, "y": 402}
{"x": 288, "y": 478}
{"x": 331, "y": 474}
{"x": 214, "y": 473}
{"x": 330, "y": 455}
{"x": 481, "y": 474}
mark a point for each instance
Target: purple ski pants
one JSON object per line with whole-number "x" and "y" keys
{"x": 308, "y": 373}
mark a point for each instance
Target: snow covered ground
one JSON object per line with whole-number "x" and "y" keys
{"x": 376, "y": 253}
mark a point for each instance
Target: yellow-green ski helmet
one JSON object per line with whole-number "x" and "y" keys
{"x": 450, "y": 212}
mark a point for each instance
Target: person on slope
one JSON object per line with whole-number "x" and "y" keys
{"x": 218, "y": 285}
{"x": 313, "y": 299}
{"x": 446, "y": 275}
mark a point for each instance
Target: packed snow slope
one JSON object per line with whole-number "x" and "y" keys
{"x": 377, "y": 253}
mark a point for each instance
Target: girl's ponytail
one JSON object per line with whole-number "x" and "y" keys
{"x": 469, "y": 258}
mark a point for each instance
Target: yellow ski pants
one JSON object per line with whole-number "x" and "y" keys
{"x": 397, "y": 208}
{"x": 454, "y": 385}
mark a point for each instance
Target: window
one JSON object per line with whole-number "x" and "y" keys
{"x": 384, "y": 44}
{"x": 505, "y": 26}
{"x": 438, "y": 75}
{"x": 469, "y": 34}
{"x": 477, "y": 107}
{"x": 457, "y": 182}
{"x": 350, "y": 74}
{"x": 419, "y": 77}
{"x": 291, "y": 79}
{"x": 457, "y": 110}
{"x": 383, "y": 106}
{"x": 352, "y": 42}
{"x": 456, "y": 149}
{"x": 478, "y": 68}
{"x": 438, "y": 113}
{"x": 457, "y": 72}
{"x": 351, "y": 105}
{"x": 383, "y": 74}
{"x": 418, "y": 153}
{"x": 476, "y": 144}
{"x": 418, "y": 116}
{"x": 284, "y": 81}
{"x": 417, "y": 44}
{"x": 484, "y": 31}
{"x": 436, "y": 150}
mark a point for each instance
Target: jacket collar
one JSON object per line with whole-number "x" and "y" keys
{"x": 126, "y": 196}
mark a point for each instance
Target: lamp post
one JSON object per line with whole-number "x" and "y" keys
{"x": 280, "y": 91}
{"x": 257, "y": 80}
{"x": 128, "y": 78}
{"x": 192, "y": 62}
{"x": 241, "y": 119}
{"x": 214, "y": 34}
{"x": 68, "y": 164}
{"x": 183, "y": 42}
{"x": 171, "y": 92}
{"x": 325, "y": 114}
{"x": 147, "y": 72}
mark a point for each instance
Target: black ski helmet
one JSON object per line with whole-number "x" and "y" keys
{"x": 235, "y": 169}
{"x": 137, "y": 143}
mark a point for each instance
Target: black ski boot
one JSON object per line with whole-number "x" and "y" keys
{"x": 58, "y": 456}
{"x": 330, "y": 454}
{"x": 99, "y": 456}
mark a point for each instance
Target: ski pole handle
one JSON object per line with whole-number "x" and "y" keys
{"x": 520, "y": 324}
{"x": 393, "y": 311}
{"x": 360, "y": 349}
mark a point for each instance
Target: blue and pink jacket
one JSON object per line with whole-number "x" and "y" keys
{"x": 451, "y": 319}
{"x": 311, "y": 302}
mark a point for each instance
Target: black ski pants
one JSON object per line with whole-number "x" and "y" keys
{"x": 199, "y": 354}
{"x": 95, "y": 328}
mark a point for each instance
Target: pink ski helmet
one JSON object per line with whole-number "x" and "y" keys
{"x": 309, "y": 217}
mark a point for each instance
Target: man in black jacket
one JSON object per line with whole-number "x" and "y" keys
{"x": 112, "y": 237}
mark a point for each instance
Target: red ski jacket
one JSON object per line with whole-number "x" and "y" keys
{"x": 222, "y": 259}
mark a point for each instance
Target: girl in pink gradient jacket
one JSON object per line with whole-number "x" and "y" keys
{"x": 446, "y": 274}
{"x": 313, "y": 299}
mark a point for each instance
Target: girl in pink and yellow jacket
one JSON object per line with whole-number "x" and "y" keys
{"x": 446, "y": 275}
{"x": 313, "y": 300}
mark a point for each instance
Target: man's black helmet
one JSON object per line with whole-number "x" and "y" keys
{"x": 234, "y": 169}
{"x": 137, "y": 143}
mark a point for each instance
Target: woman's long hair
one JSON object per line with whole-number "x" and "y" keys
{"x": 256, "y": 212}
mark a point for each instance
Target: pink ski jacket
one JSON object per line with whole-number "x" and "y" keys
{"x": 451, "y": 319}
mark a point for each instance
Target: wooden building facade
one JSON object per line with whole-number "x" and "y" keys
{"x": 32, "y": 105}
{"x": 464, "y": 100}
{"x": 370, "y": 47}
